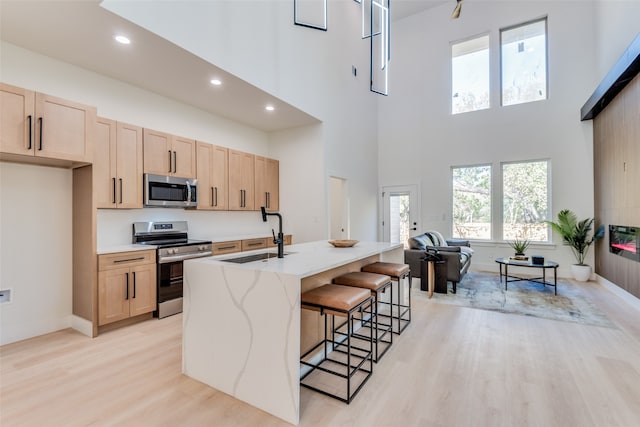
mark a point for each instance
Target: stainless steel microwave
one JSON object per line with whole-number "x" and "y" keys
{"x": 170, "y": 191}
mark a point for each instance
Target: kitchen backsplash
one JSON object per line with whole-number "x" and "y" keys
{"x": 114, "y": 226}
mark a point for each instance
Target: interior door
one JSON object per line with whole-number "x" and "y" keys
{"x": 401, "y": 216}
{"x": 338, "y": 209}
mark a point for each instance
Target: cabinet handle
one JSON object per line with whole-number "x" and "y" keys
{"x": 255, "y": 244}
{"x": 222, "y": 248}
{"x": 134, "y": 284}
{"x": 169, "y": 161}
{"x": 40, "y": 142}
{"x": 120, "y": 190}
{"x": 175, "y": 161}
{"x": 30, "y": 130}
{"x": 127, "y": 286}
{"x": 114, "y": 189}
{"x": 128, "y": 260}
{"x": 268, "y": 197}
{"x": 215, "y": 193}
{"x": 212, "y": 197}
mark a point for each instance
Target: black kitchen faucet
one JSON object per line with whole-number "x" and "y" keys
{"x": 280, "y": 239}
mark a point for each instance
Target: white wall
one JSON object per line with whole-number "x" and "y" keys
{"x": 616, "y": 25}
{"x": 35, "y": 250}
{"x": 310, "y": 69}
{"x": 116, "y": 100}
{"x": 417, "y": 131}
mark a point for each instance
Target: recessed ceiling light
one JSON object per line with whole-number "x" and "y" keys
{"x": 216, "y": 82}
{"x": 122, "y": 39}
{"x": 269, "y": 107}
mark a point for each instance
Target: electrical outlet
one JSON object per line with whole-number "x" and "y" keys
{"x": 5, "y": 296}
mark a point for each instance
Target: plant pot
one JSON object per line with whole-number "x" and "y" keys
{"x": 581, "y": 273}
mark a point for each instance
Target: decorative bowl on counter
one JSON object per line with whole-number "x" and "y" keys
{"x": 343, "y": 243}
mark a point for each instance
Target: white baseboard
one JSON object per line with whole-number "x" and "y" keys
{"x": 82, "y": 325}
{"x": 612, "y": 287}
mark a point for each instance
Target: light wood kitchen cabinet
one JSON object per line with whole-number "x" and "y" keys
{"x": 126, "y": 285}
{"x": 267, "y": 183}
{"x": 166, "y": 154}
{"x": 118, "y": 165}
{"x": 252, "y": 244}
{"x": 229, "y": 247}
{"x": 241, "y": 181}
{"x": 212, "y": 172}
{"x": 44, "y": 127}
{"x": 287, "y": 241}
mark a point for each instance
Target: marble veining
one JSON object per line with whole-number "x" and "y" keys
{"x": 242, "y": 322}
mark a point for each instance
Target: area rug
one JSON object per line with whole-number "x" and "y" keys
{"x": 484, "y": 291}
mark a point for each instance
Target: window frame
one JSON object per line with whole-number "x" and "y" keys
{"x": 491, "y": 198}
{"x": 489, "y": 71}
{"x": 546, "y": 54}
{"x": 497, "y": 198}
{"x": 500, "y": 202}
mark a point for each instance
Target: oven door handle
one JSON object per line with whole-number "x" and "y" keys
{"x": 168, "y": 259}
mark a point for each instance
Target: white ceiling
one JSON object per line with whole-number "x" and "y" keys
{"x": 80, "y": 32}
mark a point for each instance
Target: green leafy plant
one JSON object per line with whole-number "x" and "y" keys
{"x": 575, "y": 234}
{"x": 519, "y": 245}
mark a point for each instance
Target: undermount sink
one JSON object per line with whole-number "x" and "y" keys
{"x": 251, "y": 258}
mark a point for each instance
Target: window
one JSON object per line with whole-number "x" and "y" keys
{"x": 472, "y": 202}
{"x": 470, "y": 75}
{"x": 525, "y": 200}
{"x": 523, "y": 54}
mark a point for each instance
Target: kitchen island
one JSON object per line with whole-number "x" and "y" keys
{"x": 243, "y": 330}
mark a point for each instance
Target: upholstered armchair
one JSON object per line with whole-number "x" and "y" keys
{"x": 457, "y": 254}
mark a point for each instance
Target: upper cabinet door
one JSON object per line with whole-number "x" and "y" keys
{"x": 203, "y": 175}
{"x": 220, "y": 177}
{"x": 104, "y": 166}
{"x": 63, "y": 129}
{"x": 267, "y": 183}
{"x": 17, "y": 121}
{"x": 241, "y": 180}
{"x": 272, "y": 179}
{"x": 158, "y": 156}
{"x": 184, "y": 157}
{"x": 212, "y": 173}
{"x": 129, "y": 166}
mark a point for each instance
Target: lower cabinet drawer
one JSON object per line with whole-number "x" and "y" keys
{"x": 221, "y": 248}
{"x": 126, "y": 259}
{"x": 251, "y": 244}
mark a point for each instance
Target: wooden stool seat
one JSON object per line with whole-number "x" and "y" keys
{"x": 400, "y": 312}
{"x": 339, "y": 358}
{"x": 359, "y": 279}
{"x": 377, "y": 284}
{"x": 335, "y": 297}
{"x": 388, "y": 268}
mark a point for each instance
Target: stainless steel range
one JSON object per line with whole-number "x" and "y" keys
{"x": 174, "y": 246}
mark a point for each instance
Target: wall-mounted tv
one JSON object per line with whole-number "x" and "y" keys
{"x": 625, "y": 241}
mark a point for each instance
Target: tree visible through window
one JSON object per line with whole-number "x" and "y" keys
{"x": 523, "y": 56}
{"x": 472, "y": 202}
{"x": 470, "y": 75}
{"x": 525, "y": 200}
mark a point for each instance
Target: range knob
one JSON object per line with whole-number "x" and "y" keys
{"x": 202, "y": 247}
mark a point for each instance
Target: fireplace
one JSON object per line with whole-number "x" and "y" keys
{"x": 625, "y": 241}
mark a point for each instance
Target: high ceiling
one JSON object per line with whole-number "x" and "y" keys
{"x": 80, "y": 32}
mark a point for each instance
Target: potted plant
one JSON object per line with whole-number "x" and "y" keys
{"x": 519, "y": 246}
{"x": 575, "y": 234}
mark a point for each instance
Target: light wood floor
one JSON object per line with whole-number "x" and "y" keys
{"x": 452, "y": 367}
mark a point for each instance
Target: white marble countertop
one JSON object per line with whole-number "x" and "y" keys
{"x": 304, "y": 259}
{"x": 125, "y": 248}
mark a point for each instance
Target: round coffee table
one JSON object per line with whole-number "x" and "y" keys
{"x": 506, "y": 262}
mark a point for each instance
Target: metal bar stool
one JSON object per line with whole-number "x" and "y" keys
{"x": 335, "y": 300}
{"x": 376, "y": 284}
{"x": 397, "y": 272}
